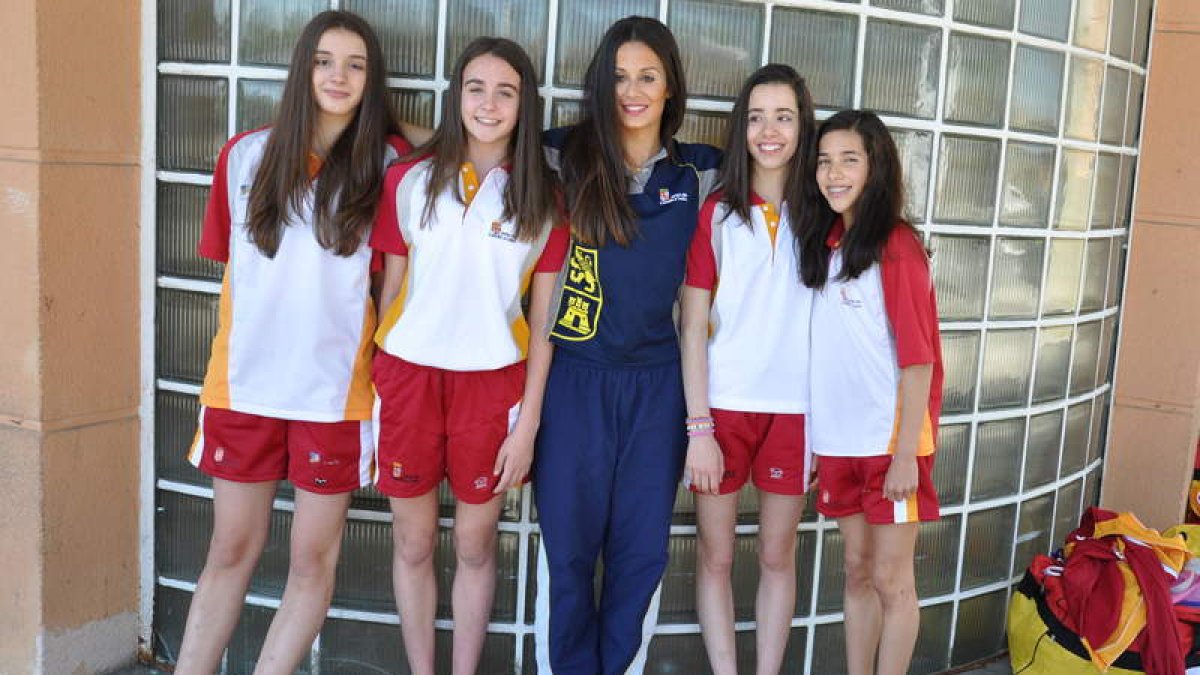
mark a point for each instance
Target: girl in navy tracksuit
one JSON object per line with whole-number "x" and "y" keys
{"x": 612, "y": 440}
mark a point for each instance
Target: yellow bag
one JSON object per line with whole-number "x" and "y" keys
{"x": 1039, "y": 644}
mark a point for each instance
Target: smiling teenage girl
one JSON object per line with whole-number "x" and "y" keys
{"x": 466, "y": 229}
{"x": 745, "y": 325}
{"x": 287, "y": 393}
{"x": 877, "y": 383}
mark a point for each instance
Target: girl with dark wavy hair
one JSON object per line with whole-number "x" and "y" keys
{"x": 876, "y": 380}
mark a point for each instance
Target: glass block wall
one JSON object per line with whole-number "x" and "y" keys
{"x": 1018, "y": 121}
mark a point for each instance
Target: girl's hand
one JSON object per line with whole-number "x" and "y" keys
{"x": 705, "y": 465}
{"x": 513, "y": 460}
{"x": 901, "y": 480}
{"x": 812, "y": 474}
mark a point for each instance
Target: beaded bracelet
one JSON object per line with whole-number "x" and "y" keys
{"x": 700, "y": 426}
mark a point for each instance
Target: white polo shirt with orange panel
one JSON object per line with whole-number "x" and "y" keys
{"x": 864, "y": 331}
{"x": 294, "y": 335}
{"x": 450, "y": 370}
{"x": 758, "y": 346}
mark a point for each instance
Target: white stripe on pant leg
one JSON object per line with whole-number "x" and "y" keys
{"x": 375, "y": 407}
{"x": 541, "y": 613}
{"x": 900, "y": 511}
{"x": 366, "y": 452}
{"x": 648, "y": 625}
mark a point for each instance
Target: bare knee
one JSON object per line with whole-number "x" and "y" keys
{"x": 777, "y": 557}
{"x": 233, "y": 552}
{"x": 476, "y": 549}
{"x": 316, "y": 563}
{"x": 414, "y": 549}
{"x": 895, "y": 585}
{"x": 860, "y": 573}
{"x": 716, "y": 558}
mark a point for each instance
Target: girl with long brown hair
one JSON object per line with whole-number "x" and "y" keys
{"x": 287, "y": 392}
{"x": 611, "y": 447}
{"x": 465, "y": 224}
{"x": 744, "y": 332}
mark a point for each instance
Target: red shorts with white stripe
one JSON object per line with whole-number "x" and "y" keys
{"x": 768, "y": 447}
{"x": 321, "y": 457}
{"x": 850, "y": 485}
{"x": 436, "y": 423}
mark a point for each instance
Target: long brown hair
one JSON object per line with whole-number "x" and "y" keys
{"x": 736, "y": 173}
{"x": 351, "y": 177}
{"x": 593, "y": 162}
{"x": 529, "y": 192}
{"x": 876, "y": 212}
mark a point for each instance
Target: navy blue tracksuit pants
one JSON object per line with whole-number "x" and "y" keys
{"x": 609, "y": 456}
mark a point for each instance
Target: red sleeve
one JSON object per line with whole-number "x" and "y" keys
{"x": 214, "y": 233}
{"x": 555, "y": 250}
{"x": 909, "y": 300}
{"x": 701, "y": 260}
{"x": 385, "y": 235}
{"x": 399, "y": 144}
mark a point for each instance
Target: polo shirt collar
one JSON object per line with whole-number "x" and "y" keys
{"x": 834, "y": 240}
{"x": 639, "y": 178}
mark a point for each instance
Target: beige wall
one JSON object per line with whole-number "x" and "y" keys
{"x": 69, "y": 182}
{"x": 1156, "y": 409}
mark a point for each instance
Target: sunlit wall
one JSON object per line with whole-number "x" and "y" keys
{"x": 1018, "y": 121}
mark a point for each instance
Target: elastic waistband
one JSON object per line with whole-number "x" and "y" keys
{"x": 576, "y": 360}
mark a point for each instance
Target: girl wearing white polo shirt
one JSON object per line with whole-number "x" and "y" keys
{"x": 744, "y": 336}
{"x": 287, "y": 392}
{"x": 465, "y": 226}
{"x": 876, "y": 382}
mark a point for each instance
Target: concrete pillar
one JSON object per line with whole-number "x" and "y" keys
{"x": 69, "y": 356}
{"x": 1156, "y": 410}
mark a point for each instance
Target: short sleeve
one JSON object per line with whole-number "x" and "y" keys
{"x": 555, "y": 251}
{"x": 399, "y": 145}
{"x": 701, "y": 259}
{"x": 385, "y": 235}
{"x": 909, "y": 299}
{"x": 214, "y": 232}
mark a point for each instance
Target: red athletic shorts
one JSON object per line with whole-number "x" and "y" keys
{"x": 768, "y": 447}
{"x": 322, "y": 457}
{"x": 850, "y": 485}
{"x": 436, "y": 424}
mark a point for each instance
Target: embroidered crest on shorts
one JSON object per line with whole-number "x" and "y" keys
{"x": 397, "y": 470}
{"x": 219, "y": 455}
{"x": 579, "y": 309}
{"x": 481, "y": 483}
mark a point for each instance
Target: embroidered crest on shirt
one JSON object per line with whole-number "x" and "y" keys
{"x": 848, "y": 298}
{"x": 496, "y": 231}
{"x": 665, "y": 197}
{"x": 579, "y": 310}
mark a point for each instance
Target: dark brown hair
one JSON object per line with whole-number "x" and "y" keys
{"x": 737, "y": 167}
{"x": 348, "y": 186}
{"x": 593, "y": 162}
{"x": 878, "y": 210}
{"x": 529, "y": 192}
